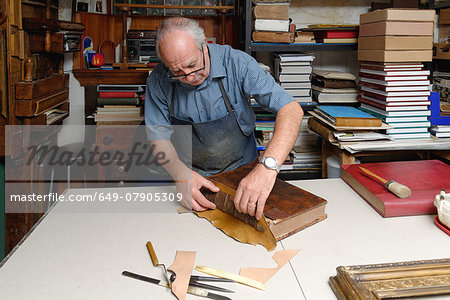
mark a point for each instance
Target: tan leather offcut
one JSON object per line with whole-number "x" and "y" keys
{"x": 182, "y": 266}
{"x": 240, "y": 231}
{"x": 264, "y": 274}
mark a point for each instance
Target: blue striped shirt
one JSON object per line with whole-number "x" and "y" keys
{"x": 241, "y": 76}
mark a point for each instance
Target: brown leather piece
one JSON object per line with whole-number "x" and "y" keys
{"x": 182, "y": 266}
{"x": 264, "y": 274}
{"x": 240, "y": 231}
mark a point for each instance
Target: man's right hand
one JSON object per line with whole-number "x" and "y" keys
{"x": 191, "y": 191}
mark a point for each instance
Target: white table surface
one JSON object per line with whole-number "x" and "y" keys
{"x": 79, "y": 252}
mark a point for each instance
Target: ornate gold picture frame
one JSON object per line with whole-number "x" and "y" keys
{"x": 392, "y": 280}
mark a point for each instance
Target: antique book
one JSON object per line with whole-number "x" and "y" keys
{"x": 323, "y": 97}
{"x": 425, "y": 178}
{"x": 273, "y": 37}
{"x": 288, "y": 209}
{"x": 271, "y": 11}
{"x": 347, "y": 116}
{"x": 271, "y": 25}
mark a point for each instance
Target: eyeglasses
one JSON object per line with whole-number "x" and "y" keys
{"x": 190, "y": 73}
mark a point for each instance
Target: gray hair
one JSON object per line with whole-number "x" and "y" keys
{"x": 180, "y": 24}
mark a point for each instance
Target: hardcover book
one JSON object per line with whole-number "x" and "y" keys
{"x": 288, "y": 209}
{"x": 271, "y": 25}
{"x": 269, "y": 11}
{"x": 347, "y": 116}
{"x": 273, "y": 37}
{"x": 425, "y": 178}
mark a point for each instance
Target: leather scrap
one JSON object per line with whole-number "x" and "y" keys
{"x": 264, "y": 274}
{"x": 240, "y": 231}
{"x": 182, "y": 266}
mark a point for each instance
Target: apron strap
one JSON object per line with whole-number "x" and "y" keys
{"x": 225, "y": 97}
{"x": 226, "y": 100}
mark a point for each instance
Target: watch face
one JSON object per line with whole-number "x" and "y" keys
{"x": 270, "y": 162}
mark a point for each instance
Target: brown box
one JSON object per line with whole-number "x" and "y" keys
{"x": 395, "y": 14}
{"x": 396, "y": 28}
{"x": 444, "y": 34}
{"x": 444, "y": 16}
{"x": 386, "y": 42}
{"x": 395, "y": 56}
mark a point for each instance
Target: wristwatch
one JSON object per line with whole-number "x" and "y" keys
{"x": 270, "y": 163}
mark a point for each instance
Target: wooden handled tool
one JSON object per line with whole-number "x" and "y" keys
{"x": 155, "y": 261}
{"x": 396, "y": 188}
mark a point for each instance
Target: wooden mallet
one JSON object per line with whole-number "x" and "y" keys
{"x": 396, "y": 188}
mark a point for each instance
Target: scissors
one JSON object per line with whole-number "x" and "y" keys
{"x": 194, "y": 280}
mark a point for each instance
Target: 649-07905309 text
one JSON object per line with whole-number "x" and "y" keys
{"x": 99, "y": 196}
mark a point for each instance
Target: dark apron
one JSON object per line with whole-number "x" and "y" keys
{"x": 217, "y": 145}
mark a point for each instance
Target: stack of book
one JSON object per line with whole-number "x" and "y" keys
{"x": 119, "y": 105}
{"x": 336, "y": 34}
{"x": 392, "y": 45}
{"x": 271, "y": 22}
{"x": 305, "y": 159}
{"x": 333, "y": 87}
{"x": 398, "y": 94}
{"x": 293, "y": 72}
{"x": 440, "y": 131}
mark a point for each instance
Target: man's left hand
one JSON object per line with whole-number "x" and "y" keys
{"x": 253, "y": 191}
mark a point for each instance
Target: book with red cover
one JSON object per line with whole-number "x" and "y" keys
{"x": 393, "y": 99}
{"x": 425, "y": 178}
{"x": 335, "y": 34}
{"x": 393, "y": 106}
{"x": 394, "y": 88}
{"x": 117, "y": 94}
{"x": 394, "y": 82}
{"x": 393, "y": 78}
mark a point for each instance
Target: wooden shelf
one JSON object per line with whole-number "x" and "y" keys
{"x": 295, "y": 47}
{"x": 96, "y": 77}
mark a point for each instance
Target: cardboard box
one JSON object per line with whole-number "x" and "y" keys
{"x": 395, "y": 14}
{"x": 396, "y": 28}
{"x": 395, "y": 56}
{"x": 386, "y": 42}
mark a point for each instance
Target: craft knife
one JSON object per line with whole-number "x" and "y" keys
{"x": 191, "y": 289}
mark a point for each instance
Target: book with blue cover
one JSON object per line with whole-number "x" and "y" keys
{"x": 347, "y": 116}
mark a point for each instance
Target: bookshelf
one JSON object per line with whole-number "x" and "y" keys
{"x": 249, "y": 46}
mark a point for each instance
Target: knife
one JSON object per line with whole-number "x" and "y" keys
{"x": 191, "y": 289}
{"x": 232, "y": 276}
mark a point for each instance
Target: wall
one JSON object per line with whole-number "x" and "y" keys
{"x": 76, "y": 92}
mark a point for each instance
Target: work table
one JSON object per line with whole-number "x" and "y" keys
{"x": 79, "y": 249}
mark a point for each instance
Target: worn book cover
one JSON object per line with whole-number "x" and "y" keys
{"x": 271, "y": 11}
{"x": 425, "y": 178}
{"x": 288, "y": 209}
{"x": 347, "y": 116}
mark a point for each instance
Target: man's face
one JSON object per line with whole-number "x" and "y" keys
{"x": 184, "y": 59}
